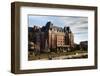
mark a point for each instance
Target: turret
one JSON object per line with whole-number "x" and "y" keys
{"x": 49, "y": 25}
{"x": 67, "y": 29}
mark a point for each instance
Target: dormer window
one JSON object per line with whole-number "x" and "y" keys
{"x": 50, "y": 28}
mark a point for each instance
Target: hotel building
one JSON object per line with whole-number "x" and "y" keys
{"x": 51, "y": 38}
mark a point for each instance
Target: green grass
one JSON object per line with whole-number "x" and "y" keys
{"x": 53, "y": 54}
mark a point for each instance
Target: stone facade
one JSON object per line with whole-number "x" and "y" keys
{"x": 51, "y": 38}
{"x": 84, "y": 45}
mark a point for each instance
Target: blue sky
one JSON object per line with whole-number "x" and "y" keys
{"x": 78, "y": 25}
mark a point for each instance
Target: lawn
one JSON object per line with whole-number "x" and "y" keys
{"x": 46, "y": 56}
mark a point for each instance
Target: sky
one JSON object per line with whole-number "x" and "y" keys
{"x": 78, "y": 25}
